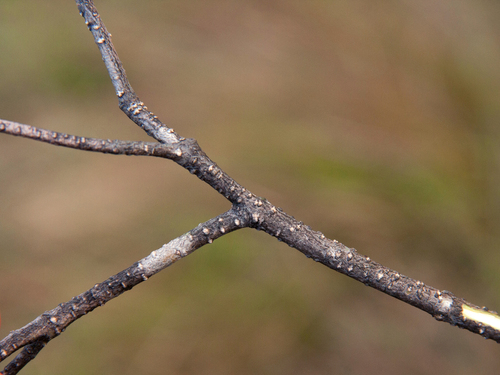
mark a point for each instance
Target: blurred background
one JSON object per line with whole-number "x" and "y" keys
{"x": 373, "y": 122}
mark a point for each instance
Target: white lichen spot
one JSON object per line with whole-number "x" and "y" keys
{"x": 3, "y": 353}
{"x": 100, "y": 40}
{"x": 206, "y": 231}
{"x": 211, "y": 168}
{"x": 292, "y": 229}
{"x": 178, "y": 152}
{"x": 379, "y": 276}
{"x": 237, "y": 222}
{"x": 445, "y": 304}
{"x": 210, "y": 240}
{"x": 53, "y": 320}
{"x": 165, "y": 134}
{"x": 350, "y": 268}
{"x": 273, "y": 210}
{"x": 153, "y": 253}
{"x": 480, "y": 316}
{"x": 349, "y": 255}
{"x": 222, "y": 230}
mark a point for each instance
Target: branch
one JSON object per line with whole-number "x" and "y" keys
{"x": 51, "y": 324}
{"x": 248, "y": 210}
{"x": 128, "y": 100}
{"x": 108, "y": 146}
{"x": 28, "y": 353}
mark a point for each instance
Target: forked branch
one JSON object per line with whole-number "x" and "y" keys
{"x": 248, "y": 210}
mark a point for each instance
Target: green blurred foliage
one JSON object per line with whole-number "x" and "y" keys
{"x": 374, "y": 122}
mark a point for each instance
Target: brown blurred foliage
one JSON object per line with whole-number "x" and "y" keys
{"x": 374, "y": 122}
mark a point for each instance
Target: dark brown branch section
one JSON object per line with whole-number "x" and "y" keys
{"x": 51, "y": 324}
{"x": 248, "y": 210}
{"x": 28, "y": 353}
{"x": 186, "y": 153}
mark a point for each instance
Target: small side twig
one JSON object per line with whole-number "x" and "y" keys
{"x": 28, "y": 353}
{"x": 106, "y": 146}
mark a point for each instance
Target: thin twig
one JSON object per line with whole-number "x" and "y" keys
{"x": 107, "y": 146}
{"x": 28, "y": 353}
{"x": 52, "y": 323}
{"x": 128, "y": 100}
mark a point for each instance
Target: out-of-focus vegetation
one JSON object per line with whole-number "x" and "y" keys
{"x": 374, "y": 122}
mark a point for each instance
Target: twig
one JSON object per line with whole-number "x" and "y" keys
{"x": 108, "y": 146}
{"x": 52, "y": 323}
{"x": 28, "y": 353}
